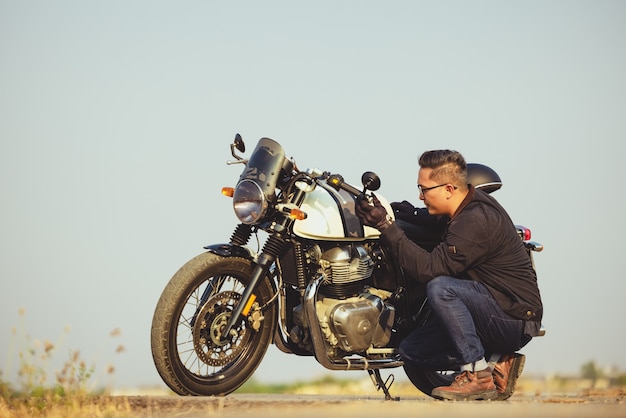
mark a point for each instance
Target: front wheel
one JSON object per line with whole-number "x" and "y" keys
{"x": 189, "y": 351}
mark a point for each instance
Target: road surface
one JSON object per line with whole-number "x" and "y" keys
{"x": 323, "y": 406}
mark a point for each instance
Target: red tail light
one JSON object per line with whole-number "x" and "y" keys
{"x": 523, "y": 232}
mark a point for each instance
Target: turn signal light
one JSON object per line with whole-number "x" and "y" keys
{"x": 297, "y": 214}
{"x": 228, "y": 191}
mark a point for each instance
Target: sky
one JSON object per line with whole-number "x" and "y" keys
{"x": 116, "y": 119}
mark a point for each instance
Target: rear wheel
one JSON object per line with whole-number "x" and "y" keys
{"x": 189, "y": 351}
{"x": 427, "y": 380}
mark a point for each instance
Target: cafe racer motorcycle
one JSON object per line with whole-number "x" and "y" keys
{"x": 321, "y": 286}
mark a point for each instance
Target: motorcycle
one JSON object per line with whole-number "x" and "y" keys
{"x": 321, "y": 286}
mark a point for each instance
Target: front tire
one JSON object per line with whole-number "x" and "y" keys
{"x": 188, "y": 350}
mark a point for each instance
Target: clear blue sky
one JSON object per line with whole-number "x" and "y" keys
{"x": 116, "y": 117}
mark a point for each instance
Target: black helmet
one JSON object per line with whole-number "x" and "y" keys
{"x": 483, "y": 178}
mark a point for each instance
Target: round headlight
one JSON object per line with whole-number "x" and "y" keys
{"x": 249, "y": 202}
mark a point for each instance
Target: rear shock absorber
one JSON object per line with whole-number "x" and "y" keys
{"x": 299, "y": 259}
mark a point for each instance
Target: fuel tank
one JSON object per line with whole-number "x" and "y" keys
{"x": 331, "y": 216}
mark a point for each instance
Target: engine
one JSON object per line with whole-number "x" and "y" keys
{"x": 353, "y": 316}
{"x": 357, "y": 323}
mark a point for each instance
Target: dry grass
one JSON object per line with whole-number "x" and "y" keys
{"x": 64, "y": 407}
{"x": 70, "y": 391}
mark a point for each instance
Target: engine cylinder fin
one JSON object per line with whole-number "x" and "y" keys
{"x": 342, "y": 291}
{"x": 346, "y": 268}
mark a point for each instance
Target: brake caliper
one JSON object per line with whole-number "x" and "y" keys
{"x": 256, "y": 317}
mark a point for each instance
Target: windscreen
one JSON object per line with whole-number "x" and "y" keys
{"x": 264, "y": 165}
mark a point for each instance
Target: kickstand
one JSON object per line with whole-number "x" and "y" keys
{"x": 379, "y": 384}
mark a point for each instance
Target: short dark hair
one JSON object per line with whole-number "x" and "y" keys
{"x": 448, "y": 166}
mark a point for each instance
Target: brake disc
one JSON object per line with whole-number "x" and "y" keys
{"x": 210, "y": 345}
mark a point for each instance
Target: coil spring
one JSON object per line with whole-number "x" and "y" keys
{"x": 300, "y": 272}
{"x": 241, "y": 235}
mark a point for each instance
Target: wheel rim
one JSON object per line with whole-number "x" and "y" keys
{"x": 206, "y": 311}
{"x": 209, "y": 344}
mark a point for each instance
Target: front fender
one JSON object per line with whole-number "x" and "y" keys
{"x": 230, "y": 250}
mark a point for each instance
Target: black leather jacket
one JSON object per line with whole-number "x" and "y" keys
{"x": 480, "y": 243}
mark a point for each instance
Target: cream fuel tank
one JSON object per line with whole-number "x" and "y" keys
{"x": 331, "y": 216}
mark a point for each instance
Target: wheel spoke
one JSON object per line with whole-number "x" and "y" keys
{"x": 201, "y": 346}
{"x": 190, "y": 352}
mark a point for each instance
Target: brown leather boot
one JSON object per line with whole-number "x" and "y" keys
{"x": 468, "y": 386}
{"x": 506, "y": 372}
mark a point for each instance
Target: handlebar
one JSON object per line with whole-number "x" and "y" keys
{"x": 370, "y": 181}
{"x": 336, "y": 181}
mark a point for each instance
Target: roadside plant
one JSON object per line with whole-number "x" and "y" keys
{"x": 35, "y": 377}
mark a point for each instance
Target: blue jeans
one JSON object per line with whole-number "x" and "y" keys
{"x": 467, "y": 324}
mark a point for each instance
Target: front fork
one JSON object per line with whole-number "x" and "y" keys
{"x": 270, "y": 252}
{"x": 240, "y": 237}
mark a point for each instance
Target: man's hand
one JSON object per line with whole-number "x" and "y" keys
{"x": 372, "y": 214}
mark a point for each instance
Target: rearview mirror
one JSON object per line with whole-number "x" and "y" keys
{"x": 370, "y": 181}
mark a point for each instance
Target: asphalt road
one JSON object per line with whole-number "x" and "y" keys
{"x": 322, "y": 406}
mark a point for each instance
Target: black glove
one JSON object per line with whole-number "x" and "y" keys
{"x": 372, "y": 214}
{"x": 403, "y": 210}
